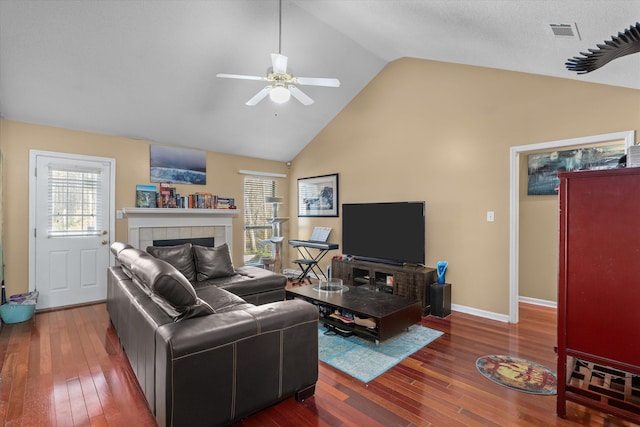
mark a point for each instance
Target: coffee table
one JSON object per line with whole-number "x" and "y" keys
{"x": 392, "y": 314}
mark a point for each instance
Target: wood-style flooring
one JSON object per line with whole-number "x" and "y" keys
{"x": 65, "y": 368}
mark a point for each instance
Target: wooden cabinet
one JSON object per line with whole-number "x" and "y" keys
{"x": 599, "y": 291}
{"x": 405, "y": 281}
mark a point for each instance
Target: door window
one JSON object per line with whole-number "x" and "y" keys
{"x": 74, "y": 201}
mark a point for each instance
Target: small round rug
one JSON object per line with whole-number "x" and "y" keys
{"x": 518, "y": 374}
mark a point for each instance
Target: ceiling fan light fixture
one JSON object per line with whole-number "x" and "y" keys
{"x": 279, "y": 95}
{"x": 282, "y": 85}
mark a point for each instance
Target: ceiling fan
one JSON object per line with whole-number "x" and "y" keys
{"x": 282, "y": 84}
{"x": 625, "y": 43}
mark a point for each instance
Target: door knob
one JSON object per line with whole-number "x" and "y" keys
{"x": 104, "y": 232}
{"x": 104, "y": 242}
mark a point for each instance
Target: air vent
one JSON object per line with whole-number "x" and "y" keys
{"x": 565, "y": 31}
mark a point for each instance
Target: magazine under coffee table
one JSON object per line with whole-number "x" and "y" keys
{"x": 392, "y": 314}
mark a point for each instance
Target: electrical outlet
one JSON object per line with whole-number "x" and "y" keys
{"x": 490, "y": 216}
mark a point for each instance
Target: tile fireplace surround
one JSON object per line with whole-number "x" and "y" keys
{"x": 148, "y": 224}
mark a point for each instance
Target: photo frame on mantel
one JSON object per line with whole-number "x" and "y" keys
{"x": 318, "y": 196}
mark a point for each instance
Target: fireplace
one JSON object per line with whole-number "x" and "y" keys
{"x": 148, "y": 225}
{"x": 200, "y": 241}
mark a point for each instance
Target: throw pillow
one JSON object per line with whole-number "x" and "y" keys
{"x": 212, "y": 263}
{"x": 180, "y": 256}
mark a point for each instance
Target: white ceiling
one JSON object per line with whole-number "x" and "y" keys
{"x": 146, "y": 68}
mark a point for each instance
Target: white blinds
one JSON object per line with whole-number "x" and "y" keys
{"x": 74, "y": 201}
{"x": 256, "y": 210}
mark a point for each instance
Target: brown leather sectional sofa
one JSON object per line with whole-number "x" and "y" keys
{"x": 204, "y": 352}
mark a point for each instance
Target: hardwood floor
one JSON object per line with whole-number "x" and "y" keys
{"x": 65, "y": 368}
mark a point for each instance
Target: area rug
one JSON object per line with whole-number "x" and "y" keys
{"x": 518, "y": 374}
{"x": 363, "y": 359}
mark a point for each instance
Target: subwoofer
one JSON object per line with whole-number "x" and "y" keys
{"x": 440, "y": 298}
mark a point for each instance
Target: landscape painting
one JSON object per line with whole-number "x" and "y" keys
{"x": 178, "y": 165}
{"x": 543, "y": 168}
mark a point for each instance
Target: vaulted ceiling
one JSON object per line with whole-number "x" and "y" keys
{"x": 146, "y": 68}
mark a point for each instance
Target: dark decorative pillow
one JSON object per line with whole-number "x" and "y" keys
{"x": 213, "y": 262}
{"x": 179, "y": 256}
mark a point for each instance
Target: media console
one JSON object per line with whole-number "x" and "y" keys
{"x": 405, "y": 281}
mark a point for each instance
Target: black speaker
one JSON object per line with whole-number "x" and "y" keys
{"x": 440, "y": 296}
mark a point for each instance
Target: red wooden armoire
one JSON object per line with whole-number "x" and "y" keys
{"x": 599, "y": 291}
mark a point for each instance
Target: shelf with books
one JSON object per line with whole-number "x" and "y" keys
{"x": 180, "y": 211}
{"x": 149, "y": 197}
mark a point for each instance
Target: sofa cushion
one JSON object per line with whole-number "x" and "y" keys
{"x": 129, "y": 256}
{"x": 222, "y": 301}
{"x": 212, "y": 263}
{"x": 180, "y": 256}
{"x": 200, "y": 308}
{"x": 248, "y": 280}
{"x": 171, "y": 290}
{"x": 116, "y": 247}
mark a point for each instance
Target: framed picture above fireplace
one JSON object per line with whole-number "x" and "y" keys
{"x": 177, "y": 165}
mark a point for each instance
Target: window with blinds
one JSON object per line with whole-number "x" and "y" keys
{"x": 257, "y": 228}
{"x": 74, "y": 201}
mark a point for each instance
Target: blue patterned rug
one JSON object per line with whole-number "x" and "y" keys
{"x": 363, "y": 360}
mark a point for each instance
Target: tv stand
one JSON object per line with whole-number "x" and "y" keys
{"x": 402, "y": 280}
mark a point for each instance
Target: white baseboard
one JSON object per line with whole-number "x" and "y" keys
{"x": 497, "y": 316}
{"x": 480, "y": 313}
{"x": 536, "y": 301}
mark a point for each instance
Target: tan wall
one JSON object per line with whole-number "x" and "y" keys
{"x": 539, "y": 228}
{"x": 440, "y": 132}
{"x": 132, "y": 167}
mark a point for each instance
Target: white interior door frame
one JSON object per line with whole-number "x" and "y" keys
{"x": 33, "y": 154}
{"x": 514, "y": 185}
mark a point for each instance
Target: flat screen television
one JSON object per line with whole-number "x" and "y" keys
{"x": 391, "y": 232}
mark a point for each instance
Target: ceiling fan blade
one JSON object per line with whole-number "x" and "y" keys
{"x": 258, "y": 96}
{"x": 279, "y": 63}
{"x": 239, "y": 76}
{"x": 318, "y": 81}
{"x": 300, "y": 95}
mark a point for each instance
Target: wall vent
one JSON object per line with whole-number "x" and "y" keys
{"x": 565, "y": 31}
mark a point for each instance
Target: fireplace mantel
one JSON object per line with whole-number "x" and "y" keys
{"x": 175, "y": 217}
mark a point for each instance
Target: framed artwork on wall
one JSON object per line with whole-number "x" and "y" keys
{"x": 318, "y": 196}
{"x": 177, "y": 165}
{"x": 543, "y": 168}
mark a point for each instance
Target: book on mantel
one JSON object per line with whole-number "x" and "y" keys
{"x": 145, "y": 196}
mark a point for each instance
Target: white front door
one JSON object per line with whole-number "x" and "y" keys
{"x": 70, "y": 212}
